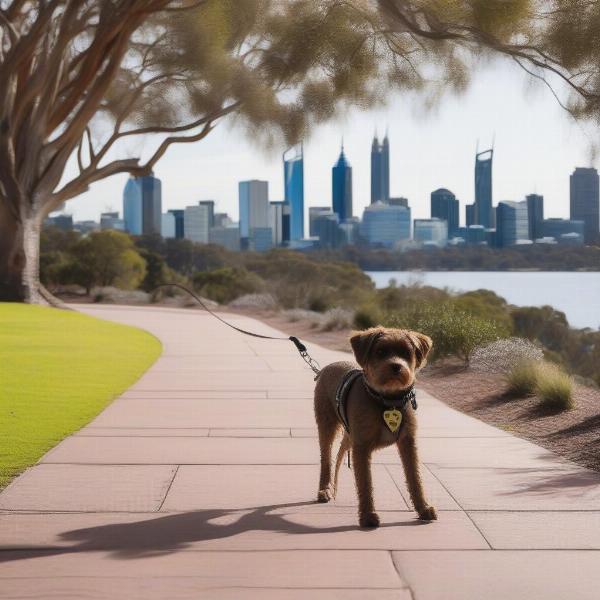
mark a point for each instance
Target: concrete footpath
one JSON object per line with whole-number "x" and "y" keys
{"x": 200, "y": 481}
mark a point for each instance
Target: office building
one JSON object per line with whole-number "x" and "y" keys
{"x": 469, "y": 215}
{"x": 228, "y": 237}
{"x": 261, "y": 239}
{"x": 483, "y": 189}
{"x": 398, "y": 201}
{"x": 535, "y": 214}
{"x": 64, "y": 222}
{"x": 431, "y": 232}
{"x": 384, "y": 225}
{"x": 84, "y": 227}
{"x": 585, "y": 202}
{"x": 179, "y": 216}
{"x": 444, "y": 205}
{"x": 476, "y": 235}
{"x": 210, "y": 204}
{"x": 512, "y": 223}
{"x": 142, "y": 205}
{"x": 111, "y": 220}
{"x": 328, "y": 231}
{"x": 254, "y": 209}
{"x": 350, "y": 230}
{"x": 293, "y": 177}
{"x": 167, "y": 225}
{"x": 341, "y": 187}
{"x": 222, "y": 220}
{"x": 564, "y": 230}
{"x": 380, "y": 170}
{"x": 276, "y": 222}
{"x": 196, "y": 223}
{"x": 314, "y": 212}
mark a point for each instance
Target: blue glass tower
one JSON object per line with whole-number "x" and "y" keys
{"x": 483, "y": 189}
{"x": 293, "y": 177}
{"x": 380, "y": 170}
{"x": 444, "y": 205}
{"x": 142, "y": 205}
{"x": 341, "y": 187}
{"x": 132, "y": 207}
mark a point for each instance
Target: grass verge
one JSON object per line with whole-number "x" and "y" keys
{"x": 58, "y": 370}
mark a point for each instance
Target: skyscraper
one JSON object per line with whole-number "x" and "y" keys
{"x": 431, "y": 232}
{"x": 142, "y": 205}
{"x": 254, "y": 209}
{"x": 179, "y": 218}
{"x": 444, "y": 205}
{"x": 585, "y": 204}
{"x": 210, "y": 204}
{"x": 341, "y": 187}
{"x": 293, "y": 178}
{"x": 196, "y": 223}
{"x": 483, "y": 188}
{"x": 385, "y": 225}
{"x": 535, "y": 214}
{"x": 380, "y": 170}
{"x": 512, "y": 223}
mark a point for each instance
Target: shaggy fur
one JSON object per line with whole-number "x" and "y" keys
{"x": 390, "y": 359}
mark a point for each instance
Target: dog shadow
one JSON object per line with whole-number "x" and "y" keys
{"x": 170, "y": 533}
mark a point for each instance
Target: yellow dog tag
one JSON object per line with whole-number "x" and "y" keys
{"x": 393, "y": 419}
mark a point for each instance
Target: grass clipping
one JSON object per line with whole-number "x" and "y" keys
{"x": 548, "y": 382}
{"x": 59, "y": 370}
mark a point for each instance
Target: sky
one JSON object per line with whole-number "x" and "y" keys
{"x": 537, "y": 145}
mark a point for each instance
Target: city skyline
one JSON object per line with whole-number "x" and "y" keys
{"x": 426, "y": 153}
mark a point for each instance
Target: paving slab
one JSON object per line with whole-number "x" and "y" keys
{"x": 550, "y": 530}
{"x": 83, "y": 488}
{"x": 499, "y": 575}
{"x": 90, "y": 431}
{"x": 249, "y": 486}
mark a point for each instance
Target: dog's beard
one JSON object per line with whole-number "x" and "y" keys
{"x": 391, "y": 385}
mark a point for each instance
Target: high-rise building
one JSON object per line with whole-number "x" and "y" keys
{"x": 222, "y": 220}
{"x": 380, "y": 170}
{"x": 196, "y": 223}
{"x": 276, "y": 222}
{"x": 535, "y": 214}
{"x": 261, "y": 239}
{"x": 483, "y": 188}
{"x": 142, "y": 205}
{"x": 444, "y": 205}
{"x": 398, "y": 201}
{"x": 179, "y": 215}
{"x": 512, "y": 223}
{"x": 64, "y": 222}
{"x": 210, "y": 204}
{"x": 314, "y": 212}
{"x": 585, "y": 202}
{"x": 226, "y": 236}
{"x": 350, "y": 229}
{"x": 293, "y": 178}
{"x": 328, "y": 231}
{"x": 254, "y": 209}
{"x": 341, "y": 187}
{"x": 470, "y": 215}
{"x": 385, "y": 225}
{"x": 111, "y": 220}
{"x": 167, "y": 225}
{"x": 564, "y": 230}
{"x": 431, "y": 232}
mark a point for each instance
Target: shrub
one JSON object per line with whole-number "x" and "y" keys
{"x": 367, "y": 316}
{"x": 502, "y": 355}
{"x": 256, "y": 301}
{"x": 337, "y": 318}
{"x": 454, "y": 332}
{"x": 554, "y": 388}
{"x": 227, "y": 284}
{"x": 522, "y": 379}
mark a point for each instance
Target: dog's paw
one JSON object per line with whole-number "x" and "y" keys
{"x": 428, "y": 514}
{"x": 369, "y": 520}
{"x": 325, "y": 495}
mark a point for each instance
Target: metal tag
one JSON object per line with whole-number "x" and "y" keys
{"x": 393, "y": 419}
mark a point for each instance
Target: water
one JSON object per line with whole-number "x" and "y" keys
{"x": 574, "y": 293}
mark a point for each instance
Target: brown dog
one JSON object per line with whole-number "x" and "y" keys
{"x": 376, "y": 413}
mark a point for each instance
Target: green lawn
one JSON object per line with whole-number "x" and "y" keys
{"x": 58, "y": 370}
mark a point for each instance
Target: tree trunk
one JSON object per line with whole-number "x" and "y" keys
{"x": 20, "y": 261}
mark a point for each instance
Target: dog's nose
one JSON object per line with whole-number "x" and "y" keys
{"x": 396, "y": 368}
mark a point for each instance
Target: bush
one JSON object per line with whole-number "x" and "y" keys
{"x": 336, "y": 319}
{"x": 255, "y": 301}
{"x": 502, "y": 355}
{"x": 454, "y": 332}
{"x": 367, "y": 316}
{"x": 226, "y": 284}
{"x": 522, "y": 379}
{"x": 554, "y": 388}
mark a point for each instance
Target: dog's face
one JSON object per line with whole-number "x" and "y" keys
{"x": 390, "y": 358}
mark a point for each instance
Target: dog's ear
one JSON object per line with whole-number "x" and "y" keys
{"x": 362, "y": 342}
{"x": 422, "y": 344}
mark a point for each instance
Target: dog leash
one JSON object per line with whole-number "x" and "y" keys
{"x": 306, "y": 357}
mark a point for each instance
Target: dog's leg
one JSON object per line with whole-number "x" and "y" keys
{"x": 344, "y": 447}
{"x": 361, "y": 462}
{"x": 327, "y": 434}
{"x": 410, "y": 461}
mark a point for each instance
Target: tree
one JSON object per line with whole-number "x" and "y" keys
{"x": 80, "y": 79}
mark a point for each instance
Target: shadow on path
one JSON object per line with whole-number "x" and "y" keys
{"x": 174, "y": 532}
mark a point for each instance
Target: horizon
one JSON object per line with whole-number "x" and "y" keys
{"x": 529, "y": 156}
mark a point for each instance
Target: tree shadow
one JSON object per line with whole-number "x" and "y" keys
{"x": 174, "y": 532}
{"x": 573, "y": 482}
{"x": 578, "y": 428}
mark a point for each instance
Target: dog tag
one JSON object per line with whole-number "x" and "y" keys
{"x": 393, "y": 419}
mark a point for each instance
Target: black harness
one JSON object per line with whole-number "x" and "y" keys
{"x": 398, "y": 401}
